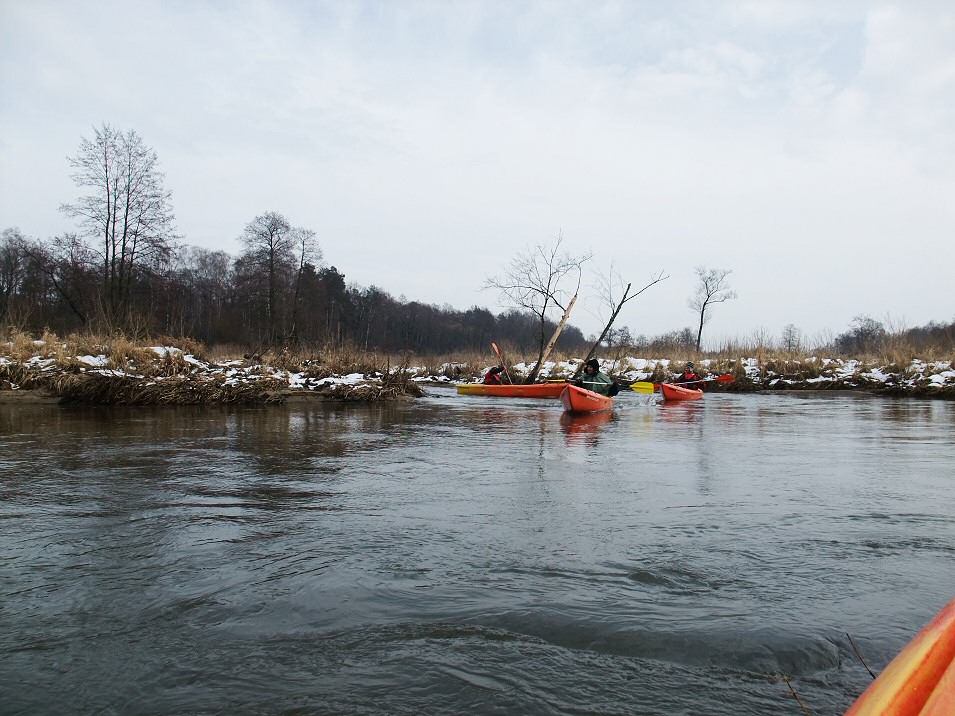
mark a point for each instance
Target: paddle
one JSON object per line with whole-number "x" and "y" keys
{"x": 501, "y": 358}
{"x": 642, "y": 387}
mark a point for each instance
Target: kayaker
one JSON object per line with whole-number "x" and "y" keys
{"x": 493, "y": 376}
{"x": 595, "y": 381}
{"x": 688, "y": 375}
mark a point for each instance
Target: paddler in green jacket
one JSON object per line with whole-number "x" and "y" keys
{"x": 595, "y": 381}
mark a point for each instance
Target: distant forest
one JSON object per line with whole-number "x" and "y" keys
{"x": 270, "y": 298}
{"x": 126, "y": 272}
{"x": 258, "y": 299}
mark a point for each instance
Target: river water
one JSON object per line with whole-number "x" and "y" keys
{"x": 461, "y": 554}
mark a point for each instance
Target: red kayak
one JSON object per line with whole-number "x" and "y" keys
{"x": 678, "y": 392}
{"x": 578, "y": 400}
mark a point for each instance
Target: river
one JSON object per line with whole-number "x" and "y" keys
{"x": 461, "y": 554}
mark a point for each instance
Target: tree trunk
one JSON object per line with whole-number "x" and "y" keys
{"x": 553, "y": 340}
{"x": 603, "y": 334}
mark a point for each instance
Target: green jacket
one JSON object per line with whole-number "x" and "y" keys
{"x": 597, "y": 383}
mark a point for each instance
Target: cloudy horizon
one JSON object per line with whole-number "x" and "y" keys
{"x": 807, "y": 147}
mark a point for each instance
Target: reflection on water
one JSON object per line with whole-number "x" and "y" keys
{"x": 584, "y": 428}
{"x": 463, "y": 554}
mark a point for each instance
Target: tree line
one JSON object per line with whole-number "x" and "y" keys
{"x": 268, "y": 296}
{"x": 125, "y": 271}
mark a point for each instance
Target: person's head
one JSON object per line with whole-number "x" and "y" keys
{"x": 690, "y": 367}
{"x": 591, "y": 366}
{"x": 495, "y": 370}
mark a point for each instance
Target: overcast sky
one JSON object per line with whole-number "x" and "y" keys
{"x": 808, "y": 147}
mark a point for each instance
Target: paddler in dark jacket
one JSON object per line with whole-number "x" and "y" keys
{"x": 595, "y": 381}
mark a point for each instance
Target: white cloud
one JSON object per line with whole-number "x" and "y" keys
{"x": 426, "y": 142}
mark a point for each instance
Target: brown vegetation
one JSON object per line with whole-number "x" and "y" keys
{"x": 186, "y": 372}
{"x": 126, "y": 372}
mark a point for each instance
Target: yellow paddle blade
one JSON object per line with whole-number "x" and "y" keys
{"x": 641, "y": 387}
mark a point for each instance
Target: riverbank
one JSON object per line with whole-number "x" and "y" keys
{"x": 123, "y": 373}
{"x": 917, "y": 378}
{"x": 166, "y": 375}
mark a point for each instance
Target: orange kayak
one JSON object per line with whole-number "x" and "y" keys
{"x": 920, "y": 680}
{"x": 534, "y": 390}
{"x": 579, "y": 400}
{"x": 677, "y": 392}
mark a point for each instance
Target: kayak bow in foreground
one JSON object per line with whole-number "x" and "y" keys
{"x": 920, "y": 680}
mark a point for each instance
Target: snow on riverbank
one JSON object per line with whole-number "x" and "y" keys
{"x": 157, "y": 373}
{"x": 811, "y": 373}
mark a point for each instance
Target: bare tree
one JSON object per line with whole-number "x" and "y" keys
{"x": 13, "y": 260}
{"x": 541, "y": 280}
{"x": 201, "y": 281}
{"x": 126, "y": 213}
{"x": 65, "y": 262}
{"x": 268, "y": 262}
{"x": 614, "y": 295}
{"x": 866, "y": 336}
{"x": 791, "y": 338}
{"x": 711, "y": 288}
{"x": 309, "y": 254}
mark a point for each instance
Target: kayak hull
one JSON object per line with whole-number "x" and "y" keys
{"x": 678, "y": 392}
{"x": 920, "y": 679}
{"x": 578, "y": 400}
{"x": 534, "y": 390}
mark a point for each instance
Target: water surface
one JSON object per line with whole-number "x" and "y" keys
{"x": 462, "y": 554}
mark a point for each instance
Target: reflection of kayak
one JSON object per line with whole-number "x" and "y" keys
{"x": 920, "y": 680}
{"x": 534, "y": 390}
{"x": 677, "y": 392}
{"x": 584, "y": 427}
{"x": 584, "y": 422}
{"x": 578, "y": 400}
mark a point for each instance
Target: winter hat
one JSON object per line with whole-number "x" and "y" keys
{"x": 592, "y": 363}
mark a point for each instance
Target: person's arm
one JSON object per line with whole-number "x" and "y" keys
{"x": 600, "y": 383}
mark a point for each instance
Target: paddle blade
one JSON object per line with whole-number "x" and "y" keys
{"x": 725, "y": 378}
{"x": 641, "y": 387}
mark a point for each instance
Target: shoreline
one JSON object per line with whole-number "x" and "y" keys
{"x": 299, "y": 396}
{"x": 166, "y": 375}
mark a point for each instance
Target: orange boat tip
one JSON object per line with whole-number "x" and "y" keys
{"x": 920, "y": 680}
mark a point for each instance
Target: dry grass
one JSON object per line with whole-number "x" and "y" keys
{"x": 145, "y": 376}
{"x": 166, "y": 377}
{"x": 124, "y": 390}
